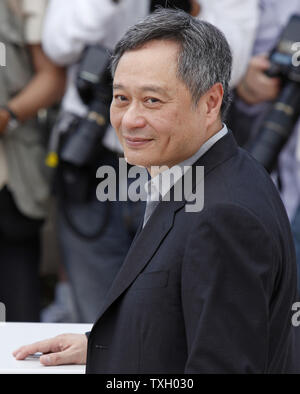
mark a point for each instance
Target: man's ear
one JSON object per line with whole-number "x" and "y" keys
{"x": 213, "y": 99}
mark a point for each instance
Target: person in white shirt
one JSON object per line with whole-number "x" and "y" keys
{"x": 29, "y": 82}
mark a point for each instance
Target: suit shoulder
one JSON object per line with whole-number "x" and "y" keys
{"x": 231, "y": 218}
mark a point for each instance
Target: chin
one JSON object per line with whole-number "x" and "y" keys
{"x": 136, "y": 160}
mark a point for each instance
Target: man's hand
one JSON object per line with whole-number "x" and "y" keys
{"x": 4, "y": 119}
{"x": 61, "y": 350}
{"x": 256, "y": 87}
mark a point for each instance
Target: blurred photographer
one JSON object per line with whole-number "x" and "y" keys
{"x": 94, "y": 236}
{"x": 254, "y": 97}
{"x": 29, "y": 82}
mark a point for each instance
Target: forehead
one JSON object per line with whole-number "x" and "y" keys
{"x": 156, "y": 59}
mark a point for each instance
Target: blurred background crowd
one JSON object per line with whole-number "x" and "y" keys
{"x": 60, "y": 248}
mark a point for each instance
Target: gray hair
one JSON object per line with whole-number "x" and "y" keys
{"x": 204, "y": 55}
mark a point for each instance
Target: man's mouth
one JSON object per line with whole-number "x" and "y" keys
{"x": 136, "y": 142}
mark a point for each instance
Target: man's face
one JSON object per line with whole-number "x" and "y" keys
{"x": 152, "y": 110}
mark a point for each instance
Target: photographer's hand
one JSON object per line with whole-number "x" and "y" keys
{"x": 196, "y": 9}
{"x": 4, "y": 119}
{"x": 256, "y": 87}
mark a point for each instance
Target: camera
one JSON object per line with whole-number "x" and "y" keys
{"x": 94, "y": 85}
{"x": 285, "y": 111}
{"x": 75, "y": 142}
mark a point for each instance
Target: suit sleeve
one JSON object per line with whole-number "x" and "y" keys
{"x": 227, "y": 280}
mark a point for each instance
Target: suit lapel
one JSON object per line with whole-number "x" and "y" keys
{"x": 148, "y": 240}
{"x": 143, "y": 247}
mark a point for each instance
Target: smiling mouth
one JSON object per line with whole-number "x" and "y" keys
{"x": 137, "y": 142}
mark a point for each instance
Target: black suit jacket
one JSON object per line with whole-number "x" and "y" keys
{"x": 206, "y": 292}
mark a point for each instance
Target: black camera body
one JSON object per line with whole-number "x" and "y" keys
{"x": 285, "y": 111}
{"x": 94, "y": 85}
{"x": 77, "y": 142}
{"x": 282, "y": 56}
{"x": 76, "y": 145}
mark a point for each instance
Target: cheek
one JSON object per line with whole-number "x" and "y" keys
{"x": 169, "y": 131}
{"x": 115, "y": 118}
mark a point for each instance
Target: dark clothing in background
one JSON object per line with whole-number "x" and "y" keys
{"x": 92, "y": 264}
{"x": 19, "y": 262}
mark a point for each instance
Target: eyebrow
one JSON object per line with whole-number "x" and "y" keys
{"x": 148, "y": 88}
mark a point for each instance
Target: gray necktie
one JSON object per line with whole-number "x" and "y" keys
{"x": 150, "y": 208}
{"x": 152, "y": 202}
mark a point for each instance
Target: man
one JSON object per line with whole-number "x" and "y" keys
{"x": 92, "y": 263}
{"x": 199, "y": 292}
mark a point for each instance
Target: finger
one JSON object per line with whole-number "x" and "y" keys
{"x": 269, "y": 84}
{"x": 66, "y": 357}
{"x": 261, "y": 62}
{"x": 269, "y": 81}
{"x": 274, "y": 92}
{"x": 46, "y": 346}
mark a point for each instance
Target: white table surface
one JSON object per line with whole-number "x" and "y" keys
{"x": 14, "y": 335}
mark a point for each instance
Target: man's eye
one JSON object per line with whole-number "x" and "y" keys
{"x": 152, "y": 100}
{"x": 120, "y": 98}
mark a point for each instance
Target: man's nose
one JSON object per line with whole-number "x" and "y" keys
{"x": 133, "y": 118}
